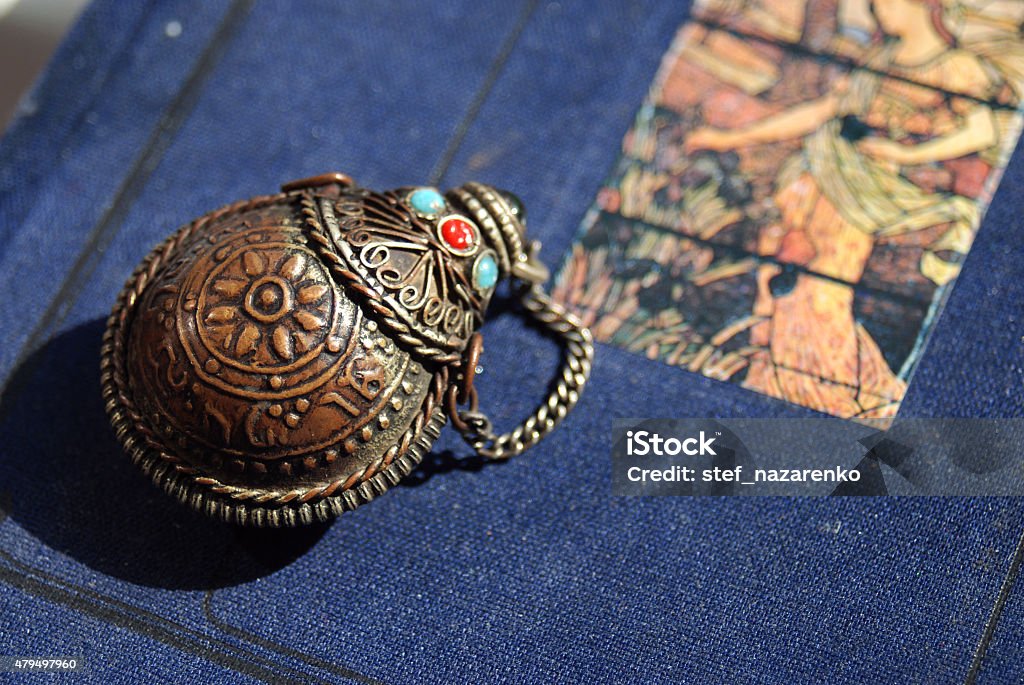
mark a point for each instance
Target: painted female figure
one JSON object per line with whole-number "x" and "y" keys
{"x": 852, "y": 184}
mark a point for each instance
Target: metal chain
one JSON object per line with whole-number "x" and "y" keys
{"x": 474, "y": 425}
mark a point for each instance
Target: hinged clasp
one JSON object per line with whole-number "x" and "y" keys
{"x": 530, "y": 268}
{"x": 334, "y": 178}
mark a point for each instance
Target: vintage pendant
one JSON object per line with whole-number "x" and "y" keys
{"x": 290, "y": 357}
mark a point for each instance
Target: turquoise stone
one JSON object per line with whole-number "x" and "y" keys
{"x": 485, "y": 272}
{"x": 427, "y": 201}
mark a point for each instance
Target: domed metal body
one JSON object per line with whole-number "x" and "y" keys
{"x": 286, "y": 358}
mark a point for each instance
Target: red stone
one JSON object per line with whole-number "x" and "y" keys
{"x": 458, "y": 234}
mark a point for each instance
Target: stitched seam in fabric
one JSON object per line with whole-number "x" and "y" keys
{"x": 135, "y": 180}
{"x": 997, "y": 609}
{"x": 116, "y": 612}
{"x": 477, "y": 103}
{"x": 80, "y": 118}
{"x": 247, "y": 636}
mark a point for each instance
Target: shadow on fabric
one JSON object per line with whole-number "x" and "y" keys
{"x": 67, "y": 482}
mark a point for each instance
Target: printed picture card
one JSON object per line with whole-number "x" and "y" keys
{"x": 799, "y": 190}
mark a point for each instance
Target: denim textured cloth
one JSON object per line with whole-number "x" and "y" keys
{"x": 525, "y": 571}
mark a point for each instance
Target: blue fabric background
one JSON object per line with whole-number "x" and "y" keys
{"x": 527, "y": 571}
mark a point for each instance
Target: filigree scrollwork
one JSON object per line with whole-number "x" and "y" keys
{"x": 403, "y": 253}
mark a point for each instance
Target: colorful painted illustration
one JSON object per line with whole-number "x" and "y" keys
{"x": 799, "y": 191}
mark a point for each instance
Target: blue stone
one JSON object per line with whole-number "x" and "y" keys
{"x": 427, "y": 201}
{"x": 485, "y": 272}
